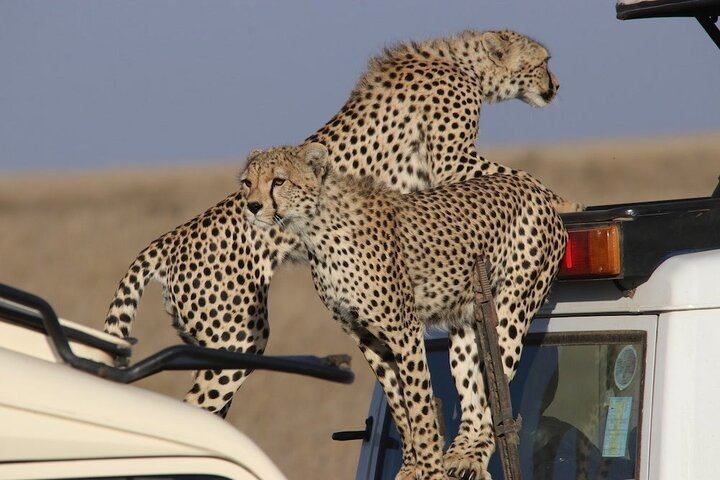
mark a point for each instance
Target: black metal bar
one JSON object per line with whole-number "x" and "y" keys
{"x": 187, "y": 357}
{"x": 709, "y": 23}
{"x": 505, "y": 426}
{"x": 363, "y": 435}
{"x": 334, "y": 368}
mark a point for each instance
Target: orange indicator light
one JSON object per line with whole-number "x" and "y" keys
{"x": 592, "y": 253}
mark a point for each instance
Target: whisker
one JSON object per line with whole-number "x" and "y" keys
{"x": 278, "y": 220}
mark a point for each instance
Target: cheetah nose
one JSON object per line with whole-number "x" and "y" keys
{"x": 254, "y": 207}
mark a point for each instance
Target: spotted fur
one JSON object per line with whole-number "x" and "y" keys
{"x": 410, "y": 123}
{"x": 387, "y": 264}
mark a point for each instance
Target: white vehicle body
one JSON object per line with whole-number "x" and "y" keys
{"x": 679, "y": 309}
{"x": 58, "y": 422}
{"x": 67, "y": 411}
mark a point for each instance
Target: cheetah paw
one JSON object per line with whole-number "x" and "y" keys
{"x": 465, "y": 465}
{"x": 466, "y": 469}
{"x": 407, "y": 472}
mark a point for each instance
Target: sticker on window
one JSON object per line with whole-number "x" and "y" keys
{"x": 625, "y": 367}
{"x": 616, "y": 426}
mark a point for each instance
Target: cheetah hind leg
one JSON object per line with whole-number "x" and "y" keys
{"x": 213, "y": 390}
{"x": 469, "y": 454}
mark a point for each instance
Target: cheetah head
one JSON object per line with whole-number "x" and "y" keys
{"x": 282, "y": 185}
{"x": 522, "y": 65}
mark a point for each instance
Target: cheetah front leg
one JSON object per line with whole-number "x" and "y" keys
{"x": 408, "y": 346}
{"x": 470, "y": 452}
{"x": 391, "y": 322}
{"x": 382, "y": 362}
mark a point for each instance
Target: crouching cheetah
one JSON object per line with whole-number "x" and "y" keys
{"x": 387, "y": 264}
{"x": 410, "y": 123}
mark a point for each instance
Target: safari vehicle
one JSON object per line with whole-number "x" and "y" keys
{"x": 616, "y": 379}
{"x": 66, "y": 412}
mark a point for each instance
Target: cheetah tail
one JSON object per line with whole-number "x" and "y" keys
{"x": 560, "y": 204}
{"x": 146, "y": 267}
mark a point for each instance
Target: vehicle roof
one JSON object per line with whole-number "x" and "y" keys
{"x": 51, "y": 411}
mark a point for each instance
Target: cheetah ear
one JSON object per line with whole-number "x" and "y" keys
{"x": 316, "y": 155}
{"x": 496, "y": 47}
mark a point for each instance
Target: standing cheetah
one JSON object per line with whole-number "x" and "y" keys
{"x": 386, "y": 264}
{"x": 411, "y": 122}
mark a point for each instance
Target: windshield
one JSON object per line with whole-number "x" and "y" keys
{"x": 579, "y": 396}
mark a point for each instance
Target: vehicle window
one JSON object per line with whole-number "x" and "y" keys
{"x": 579, "y": 396}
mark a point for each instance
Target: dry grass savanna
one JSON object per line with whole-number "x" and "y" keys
{"x": 70, "y": 237}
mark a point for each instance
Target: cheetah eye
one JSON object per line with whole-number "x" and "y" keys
{"x": 278, "y": 181}
{"x": 247, "y": 182}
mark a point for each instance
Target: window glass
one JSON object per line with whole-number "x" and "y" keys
{"x": 579, "y": 396}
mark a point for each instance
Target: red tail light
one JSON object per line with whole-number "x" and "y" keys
{"x": 592, "y": 253}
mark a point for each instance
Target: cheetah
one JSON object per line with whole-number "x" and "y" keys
{"x": 410, "y": 123}
{"x": 386, "y": 264}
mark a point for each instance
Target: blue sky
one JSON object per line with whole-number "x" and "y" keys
{"x": 89, "y": 84}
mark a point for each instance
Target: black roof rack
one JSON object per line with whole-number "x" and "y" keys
{"x": 666, "y": 8}
{"x": 706, "y": 12}
{"x": 42, "y": 317}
